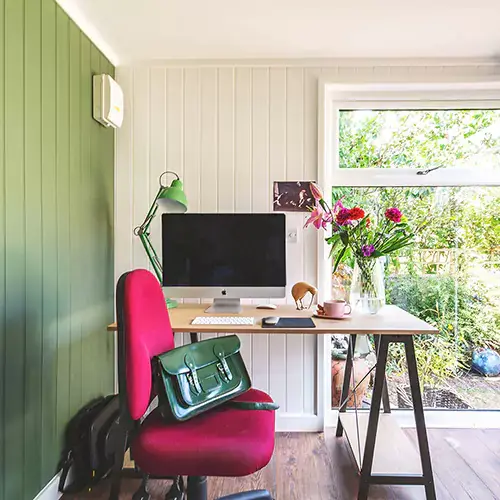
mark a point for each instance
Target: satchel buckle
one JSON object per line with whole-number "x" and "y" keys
{"x": 194, "y": 382}
{"x": 222, "y": 372}
{"x": 192, "y": 376}
{"x": 224, "y": 366}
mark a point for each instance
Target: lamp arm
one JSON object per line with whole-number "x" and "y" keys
{"x": 150, "y": 215}
{"x": 152, "y": 255}
{"x": 142, "y": 232}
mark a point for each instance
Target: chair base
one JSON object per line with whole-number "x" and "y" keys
{"x": 249, "y": 495}
{"x": 197, "y": 488}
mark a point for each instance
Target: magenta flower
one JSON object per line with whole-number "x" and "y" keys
{"x": 343, "y": 216}
{"x": 367, "y": 250}
{"x": 393, "y": 214}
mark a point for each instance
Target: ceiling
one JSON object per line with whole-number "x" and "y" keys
{"x": 136, "y": 30}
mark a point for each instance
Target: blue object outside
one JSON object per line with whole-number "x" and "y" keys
{"x": 486, "y": 362}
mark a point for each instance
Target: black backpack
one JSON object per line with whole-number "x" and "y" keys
{"x": 88, "y": 442}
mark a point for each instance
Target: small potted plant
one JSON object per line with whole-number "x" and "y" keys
{"x": 340, "y": 344}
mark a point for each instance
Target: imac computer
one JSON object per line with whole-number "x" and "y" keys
{"x": 226, "y": 257}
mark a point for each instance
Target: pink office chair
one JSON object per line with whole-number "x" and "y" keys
{"x": 222, "y": 442}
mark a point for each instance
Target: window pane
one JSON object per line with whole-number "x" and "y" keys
{"x": 450, "y": 278}
{"x": 419, "y": 138}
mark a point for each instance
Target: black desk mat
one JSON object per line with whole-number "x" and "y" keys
{"x": 291, "y": 323}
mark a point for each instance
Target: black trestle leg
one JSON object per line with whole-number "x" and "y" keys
{"x": 345, "y": 385}
{"x": 385, "y": 393}
{"x": 371, "y": 432}
{"x": 418, "y": 410}
{"x": 197, "y": 488}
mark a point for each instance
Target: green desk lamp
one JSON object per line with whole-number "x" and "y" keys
{"x": 169, "y": 199}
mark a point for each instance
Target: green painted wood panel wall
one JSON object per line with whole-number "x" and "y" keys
{"x": 56, "y": 239}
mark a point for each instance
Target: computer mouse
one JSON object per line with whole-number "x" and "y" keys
{"x": 267, "y": 306}
{"x": 271, "y": 320}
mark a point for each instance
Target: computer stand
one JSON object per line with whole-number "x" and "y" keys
{"x": 225, "y": 306}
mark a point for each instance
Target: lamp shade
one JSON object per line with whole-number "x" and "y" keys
{"x": 173, "y": 199}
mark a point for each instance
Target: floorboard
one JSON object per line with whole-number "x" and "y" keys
{"x": 489, "y": 437}
{"x": 454, "y": 475}
{"x": 311, "y": 466}
{"x": 479, "y": 457}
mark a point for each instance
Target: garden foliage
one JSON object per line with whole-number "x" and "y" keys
{"x": 450, "y": 277}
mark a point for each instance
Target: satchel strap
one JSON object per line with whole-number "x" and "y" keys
{"x": 222, "y": 366}
{"x": 250, "y": 405}
{"x": 66, "y": 466}
{"x": 193, "y": 375}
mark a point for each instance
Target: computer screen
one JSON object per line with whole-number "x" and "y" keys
{"x": 224, "y": 250}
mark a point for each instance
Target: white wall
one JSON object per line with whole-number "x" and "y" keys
{"x": 229, "y": 131}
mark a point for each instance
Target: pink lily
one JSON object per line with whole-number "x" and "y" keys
{"x": 316, "y": 191}
{"x": 327, "y": 219}
{"x": 316, "y": 218}
{"x": 338, "y": 206}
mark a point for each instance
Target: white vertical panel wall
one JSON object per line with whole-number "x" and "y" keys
{"x": 229, "y": 132}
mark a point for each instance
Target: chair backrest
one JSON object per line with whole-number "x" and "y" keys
{"x": 143, "y": 332}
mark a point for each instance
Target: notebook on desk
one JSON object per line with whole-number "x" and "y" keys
{"x": 291, "y": 323}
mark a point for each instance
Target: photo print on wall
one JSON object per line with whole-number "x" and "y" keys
{"x": 292, "y": 196}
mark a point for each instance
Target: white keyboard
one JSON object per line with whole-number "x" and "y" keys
{"x": 223, "y": 320}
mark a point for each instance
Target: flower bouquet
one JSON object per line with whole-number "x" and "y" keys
{"x": 366, "y": 239}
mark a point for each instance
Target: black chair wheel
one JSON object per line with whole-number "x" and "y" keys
{"x": 176, "y": 495}
{"x": 249, "y": 495}
{"x": 176, "y": 491}
{"x": 141, "y": 495}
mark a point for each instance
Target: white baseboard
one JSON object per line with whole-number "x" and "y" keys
{"x": 50, "y": 490}
{"x": 291, "y": 422}
{"x": 450, "y": 419}
{"x": 441, "y": 419}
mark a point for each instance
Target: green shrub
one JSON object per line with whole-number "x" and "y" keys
{"x": 460, "y": 310}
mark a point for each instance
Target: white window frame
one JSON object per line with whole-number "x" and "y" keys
{"x": 334, "y": 97}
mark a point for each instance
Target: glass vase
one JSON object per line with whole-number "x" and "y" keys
{"x": 341, "y": 282}
{"x": 367, "y": 288}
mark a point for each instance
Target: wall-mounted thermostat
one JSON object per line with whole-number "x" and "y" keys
{"x": 108, "y": 101}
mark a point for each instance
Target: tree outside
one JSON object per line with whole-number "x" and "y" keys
{"x": 451, "y": 276}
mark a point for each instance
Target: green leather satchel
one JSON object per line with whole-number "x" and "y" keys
{"x": 197, "y": 377}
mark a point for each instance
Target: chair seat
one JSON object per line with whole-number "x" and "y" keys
{"x": 221, "y": 442}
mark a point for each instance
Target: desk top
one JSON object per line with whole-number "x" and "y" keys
{"x": 390, "y": 320}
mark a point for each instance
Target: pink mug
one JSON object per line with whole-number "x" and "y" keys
{"x": 336, "y": 308}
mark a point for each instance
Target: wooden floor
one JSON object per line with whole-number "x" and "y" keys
{"x": 320, "y": 467}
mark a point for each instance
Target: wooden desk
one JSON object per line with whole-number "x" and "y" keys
{"x": 394, "y": 460}
{"x": 389, "y": 321}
